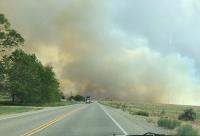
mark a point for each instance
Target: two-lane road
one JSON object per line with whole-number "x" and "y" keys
{"x": 75, "y": 120}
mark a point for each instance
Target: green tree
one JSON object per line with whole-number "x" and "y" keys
{"x": 1, "y": 76}
{"x": 29, "y": 81}
{"x": 8, "y": 37}
{"x": 20, "y": 69}
{"x": 49, "y": 85}
{"x": 77, "y": 98}
{"x": 22, "y": 75}
{"x": 1, "y": 70}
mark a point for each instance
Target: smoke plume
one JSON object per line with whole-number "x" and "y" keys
{"x": 92, "y": 55}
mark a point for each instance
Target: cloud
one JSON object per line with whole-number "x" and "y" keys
{"x": 131, "y": 51}
{"x": 170, "y": 26}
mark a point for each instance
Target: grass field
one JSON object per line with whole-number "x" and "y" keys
{"x": 10, "y": 108}
{"x": 156, "y": 111}
{"x": 7, "y": 107}
{"x": 4, "y": 110}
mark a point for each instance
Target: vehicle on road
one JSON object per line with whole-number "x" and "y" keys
{"x": 87, "y": 100}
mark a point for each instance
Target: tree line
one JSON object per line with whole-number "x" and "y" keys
{"x": 22, "y": 76}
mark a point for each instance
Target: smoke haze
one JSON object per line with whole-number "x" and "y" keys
{"x": 115, "y": 49}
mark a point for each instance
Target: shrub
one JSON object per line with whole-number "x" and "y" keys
{"x": 187, "y": 130}
{"x": 124, "y": 107}
{"x": 77, "y": 98}
{"x": 162, "y": 112}
{"x": 150, "y": 120}
{"x": 188, "y": 115}
{"x": 117, "y": 106}
{"x": 168, "y": 123}
{"x": 142, "y": 113}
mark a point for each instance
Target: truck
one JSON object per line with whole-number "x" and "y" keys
{"x": 87, "y": 100}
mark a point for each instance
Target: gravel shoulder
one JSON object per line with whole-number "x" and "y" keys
{"x": 135, "y": 124}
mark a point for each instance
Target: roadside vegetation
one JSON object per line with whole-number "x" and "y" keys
{"x": 23, "y": 78}
{"x": 187, "y": 130}
{"x": 25, "y": 83}
{"x": 77, "y": 98}
{"x": 50, "y": 104}
{"x": 4, "y": 110}
{"x": 168, "y": 116}
{"x": 142, "y": 113}
{"x": 188, "y": 115}
{"x": 168, "y": 123}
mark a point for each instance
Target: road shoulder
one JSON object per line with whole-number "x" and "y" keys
{"x": 134, "y": 124}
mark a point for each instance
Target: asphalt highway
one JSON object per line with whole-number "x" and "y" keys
{"x": 76, "y": 120}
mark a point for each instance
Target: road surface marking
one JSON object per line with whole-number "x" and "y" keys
{"x": 116, "y": 123}
{"x": 49, "y": 123}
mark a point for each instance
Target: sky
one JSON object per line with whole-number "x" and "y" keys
{"x": 135, "y": 50}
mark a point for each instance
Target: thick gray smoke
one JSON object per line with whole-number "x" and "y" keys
{"x": 102, "y": 49}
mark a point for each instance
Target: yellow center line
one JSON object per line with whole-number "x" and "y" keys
{"x": 49, "y": 123}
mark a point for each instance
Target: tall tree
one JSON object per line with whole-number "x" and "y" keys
{"x": 29, "y": 81}
{"x": 49, "y": 85}
{"x": 1, "y": 76}
{"x": 22, "y": 75}
{"x": 9, "y": 38}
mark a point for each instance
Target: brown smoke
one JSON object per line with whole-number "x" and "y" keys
{"x": 91, "y": 56}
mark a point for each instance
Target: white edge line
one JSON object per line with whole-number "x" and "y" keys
{"x": 116, "y": 123}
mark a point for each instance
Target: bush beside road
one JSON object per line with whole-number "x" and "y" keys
{"x": 157, "y": 111}
{"x": 154, "y": 110}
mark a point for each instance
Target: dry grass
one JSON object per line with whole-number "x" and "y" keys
{"x": 156, "y": 111}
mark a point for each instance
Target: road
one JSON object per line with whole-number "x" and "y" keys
{"x": 76, "y": 120}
